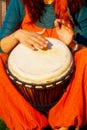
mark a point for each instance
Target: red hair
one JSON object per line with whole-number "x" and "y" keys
{"x": 75, "y": 5}
{"x": 61, "y": 11}
{"x": 65, "y": 8}
{"x": 36, "y": 8}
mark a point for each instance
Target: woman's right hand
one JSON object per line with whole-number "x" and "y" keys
{"x": 31, "y": 39}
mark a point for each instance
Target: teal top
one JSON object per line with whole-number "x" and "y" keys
{"x": 16, "y": 12}
{"x": 80, "y": 27}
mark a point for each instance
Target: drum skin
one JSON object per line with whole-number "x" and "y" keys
{"x": 39, "y": 93}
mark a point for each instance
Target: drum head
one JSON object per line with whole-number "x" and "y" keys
{"x": 41, "y": 66}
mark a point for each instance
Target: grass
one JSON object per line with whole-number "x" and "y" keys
{"x": 3, "y": 125}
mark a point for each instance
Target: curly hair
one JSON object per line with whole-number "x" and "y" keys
{"x": 36, "y": 8}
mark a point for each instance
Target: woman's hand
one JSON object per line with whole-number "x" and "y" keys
{"x": 31, "y": 39}
{"x": 64, "y": 30}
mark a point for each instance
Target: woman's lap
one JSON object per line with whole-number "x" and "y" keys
{"x": 69, "y": 110}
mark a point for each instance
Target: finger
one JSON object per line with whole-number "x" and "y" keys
{"x": 29, "y": 45}
{"x": 36, "y": 44}
{"x": 62, "y": 22}
{"x": 41, "y": 42}
{"x": 57, "y": 24}
{"x": 35, "y": 39}
{"x": 40, "y": 39}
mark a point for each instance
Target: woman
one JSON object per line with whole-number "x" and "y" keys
{"x": 29, "y": 22}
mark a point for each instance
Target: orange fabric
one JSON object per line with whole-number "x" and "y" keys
{"x": 50, "y": 32}
{"x": 72, "y": 107}
{"x": 16, "y": 112}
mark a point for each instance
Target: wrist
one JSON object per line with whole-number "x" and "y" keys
{"x": 74, "y": 46}
{"x": 17, "y": 34}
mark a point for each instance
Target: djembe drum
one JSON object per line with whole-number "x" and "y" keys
{"x": 41, "y": 76}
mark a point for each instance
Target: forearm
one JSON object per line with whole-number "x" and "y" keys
{"x": 8, "y": 43}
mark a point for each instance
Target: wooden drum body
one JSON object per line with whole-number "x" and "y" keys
{"x": 41, "y": 76}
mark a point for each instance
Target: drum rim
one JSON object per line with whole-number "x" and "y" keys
{"x": 40, "y": 72}
{"x": 40, "y": 86}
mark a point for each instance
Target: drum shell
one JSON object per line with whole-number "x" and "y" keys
{"x": 41, "y": 94}
{"x": 42, "y": 97}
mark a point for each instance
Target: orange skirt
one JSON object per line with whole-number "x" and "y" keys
{"x": 71, "y": 109}
{"x": 14, "y": 110}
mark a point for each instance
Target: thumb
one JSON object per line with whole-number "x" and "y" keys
{"x": 57, "y": 24}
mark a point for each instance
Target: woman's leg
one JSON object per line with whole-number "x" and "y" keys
{"x": 71, "y": 109}
{"x": 17, "y": 113}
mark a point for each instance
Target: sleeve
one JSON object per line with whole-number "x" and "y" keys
{"x": 14, "y": 15}
{"x": 80, "y": 27}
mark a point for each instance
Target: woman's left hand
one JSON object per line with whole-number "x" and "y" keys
{"x": 64, "y": 31}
